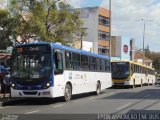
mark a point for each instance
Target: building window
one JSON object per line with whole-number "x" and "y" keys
{"x": 103, "y": 50}
{"x": 103, "y": 21}
{"x": 103, "y": 35}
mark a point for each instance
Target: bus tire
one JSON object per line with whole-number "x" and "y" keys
{"x": 98, "y": 88}
{"x": 68, "y": 92}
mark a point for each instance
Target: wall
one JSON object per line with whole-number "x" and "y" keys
{"x": 90, "y": 19}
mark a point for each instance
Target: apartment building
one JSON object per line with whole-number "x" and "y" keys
{"x": 96, "y": 22}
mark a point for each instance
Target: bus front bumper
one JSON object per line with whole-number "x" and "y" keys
{"x": 122, "y": 83}
{"x": 31, "y": 93}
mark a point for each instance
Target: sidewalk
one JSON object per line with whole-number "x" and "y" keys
{"x": 2, "y": 99}
{"x": 9, "y": 100}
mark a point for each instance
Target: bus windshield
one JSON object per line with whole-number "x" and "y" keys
{"x": 120, "y": 70}
{"x": 31, "y": 66}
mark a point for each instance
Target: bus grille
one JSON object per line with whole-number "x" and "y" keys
{"x": 30, "y": 93}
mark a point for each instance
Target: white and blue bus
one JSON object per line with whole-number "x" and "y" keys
{"x": 52, "y": 70}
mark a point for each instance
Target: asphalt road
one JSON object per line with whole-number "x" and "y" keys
{"x": 122, "y": 101}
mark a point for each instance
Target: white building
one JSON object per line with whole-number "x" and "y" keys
{"x": 96, "y": 23}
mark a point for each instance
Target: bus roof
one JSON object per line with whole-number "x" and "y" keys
{"x": 134, "y": 63}
{"x": 62, "y": 47}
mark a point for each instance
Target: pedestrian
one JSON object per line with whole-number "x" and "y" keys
{"x": 6, "y": 81}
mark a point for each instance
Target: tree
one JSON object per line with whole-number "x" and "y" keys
{"x": 8, "y": 26}
{"x": 43, "y": 20}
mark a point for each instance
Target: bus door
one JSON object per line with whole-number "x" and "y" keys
{"x": 58, "y": 67}
{"x": 146, "y": 76}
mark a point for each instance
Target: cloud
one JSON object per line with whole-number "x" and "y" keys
{"x": 75, "y": 3}
{"x": 125, "y": 14}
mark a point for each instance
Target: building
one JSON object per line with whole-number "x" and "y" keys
{"x": 139, "y": 58}
{"x": 121, "y": 48}
{"x": 96, "y": 22}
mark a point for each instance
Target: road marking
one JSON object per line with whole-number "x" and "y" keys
{"x": 147, "y": 95}
{"x": 58, "y": 105}
{"x": 124, "y": 106}
{"x": 32, "y": 112}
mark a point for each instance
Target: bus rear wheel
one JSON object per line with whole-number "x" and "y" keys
{"x": 98, "y": 88}
{"x": 68, "y": 93}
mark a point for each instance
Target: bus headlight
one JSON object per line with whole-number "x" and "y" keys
{"x": 13, "y": 85}
{"x": 48, "y": 84}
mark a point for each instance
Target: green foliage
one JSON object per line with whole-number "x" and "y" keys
{"x": 8, "y": 25}
{"x": 155, "y": 56}
{"x": 45, "y": 20}
{"x": 156, "y": 65}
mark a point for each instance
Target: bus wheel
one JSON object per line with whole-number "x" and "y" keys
{"x": 98, "y": 89}
{"x": 68, "y": 93}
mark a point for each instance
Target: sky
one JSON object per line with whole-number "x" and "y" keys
{"x": 126, "y": 19}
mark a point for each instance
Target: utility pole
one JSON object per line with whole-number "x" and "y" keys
{"x": 144, "y": 29}
{"x": 110, "y": 7}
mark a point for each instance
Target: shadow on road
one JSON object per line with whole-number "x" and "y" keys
{"x": 144, "y": 94}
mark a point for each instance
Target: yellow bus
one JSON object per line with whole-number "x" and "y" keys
{"x": 128, "y": 73}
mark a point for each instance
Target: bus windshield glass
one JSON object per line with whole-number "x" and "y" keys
{"x": 31, "y": 66}
{"x": 120, "y": 70}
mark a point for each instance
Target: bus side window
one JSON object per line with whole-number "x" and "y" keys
{"x": 76, "y": 61}
{"x": 107, "y": 65}
{"x": 98, "y": 64}
{"x": 68, "y": 60}
{"x": 91, "y": 63}
{"x": 58, "y": 63}
{"x": 103, "y": 65}
{"x": 132, "y": 69}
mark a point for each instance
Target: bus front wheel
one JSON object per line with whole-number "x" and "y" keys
{"x": 98, "y": 88}
{"x": 68, "y": 93}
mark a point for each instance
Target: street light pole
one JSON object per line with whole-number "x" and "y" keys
{"x": 81, "y": 42}
{"x": 144, "y": 29}
{"x": 82, "y": 34}
{"x": 110, "y": 7}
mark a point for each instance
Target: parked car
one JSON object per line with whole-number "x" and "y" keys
{"x": 157, "y": 81}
